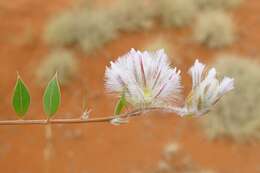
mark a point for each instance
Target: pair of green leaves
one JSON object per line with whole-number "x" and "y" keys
{"x": 51, "y": 98}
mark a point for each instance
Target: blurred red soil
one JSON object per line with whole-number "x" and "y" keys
{"x": 98, "y": 148}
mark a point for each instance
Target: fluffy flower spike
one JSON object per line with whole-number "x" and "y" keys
{"x": 206, "y": 90}
{"x": 146, "y": 79}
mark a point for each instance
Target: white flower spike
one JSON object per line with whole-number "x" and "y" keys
{"x": 206, "y": 90}
{"x": 146, "y": 79}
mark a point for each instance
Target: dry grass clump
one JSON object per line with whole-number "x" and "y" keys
{"x": 214, "y": 29}
{"x": 176, "y": 12}
{"x": 62, "y": 29}
{"x": 97, "y": 29}
{"x": 133, "y": 15}
{"x": 90, "y": 28}
{"x": 213, "y": 4}
{"x": 60, "y": 61}
{"x": 237, "y": 116}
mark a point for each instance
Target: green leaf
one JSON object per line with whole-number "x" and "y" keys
{"x": 21, "y": 98}
{"x": 121, "y": 103}
{"x": 52, "y": 97}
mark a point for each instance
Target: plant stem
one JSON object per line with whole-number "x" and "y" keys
{"x": 134, "y": 113}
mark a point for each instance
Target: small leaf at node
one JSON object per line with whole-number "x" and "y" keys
{"x": 52, "y": 97}
{"x": 21, "y": 98}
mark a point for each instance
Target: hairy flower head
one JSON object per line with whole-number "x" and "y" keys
{"x": 206, "y": 89}
{"x": 145, "y": 78}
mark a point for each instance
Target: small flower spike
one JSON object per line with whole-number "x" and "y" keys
{"x": 206, "y": 90}
{"x": 146, "y": 79}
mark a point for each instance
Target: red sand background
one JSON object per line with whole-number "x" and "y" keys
{"x": 99, "y": 148}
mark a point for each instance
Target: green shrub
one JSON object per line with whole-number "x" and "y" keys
{"x": 213, "y": 4}
{"x": 60, "y": 61}
{"x": 176, "y": 12}
{"x": 133, "y": 15}
{"x": 214, "y": 29}
{"x": 237, "y": 116}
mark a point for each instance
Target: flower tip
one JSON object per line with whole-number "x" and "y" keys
{"x": 161, "y": 51}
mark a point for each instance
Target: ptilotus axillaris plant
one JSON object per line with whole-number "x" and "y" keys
{"x": 144, "y": 81}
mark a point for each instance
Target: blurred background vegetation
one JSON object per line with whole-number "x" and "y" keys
{"x": 79, "y": 38}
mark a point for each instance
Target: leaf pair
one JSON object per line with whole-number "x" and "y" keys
{"x": 51, "y": 98}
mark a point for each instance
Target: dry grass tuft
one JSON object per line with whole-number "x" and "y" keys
{"x": 97, "y": 29}
{"x": 176, "y": 13}
{"x": 135, "y": 15}
{"x": 62, "y": 29}
{"x": 237, "y": 116}
{"x": 220, "y": 4}
{"x": 214, "y": 29}
{"x": 91, "y": 29}
{"x": 60, "y": 61}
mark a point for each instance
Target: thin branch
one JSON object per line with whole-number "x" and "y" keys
{"x": 134, "y": 113}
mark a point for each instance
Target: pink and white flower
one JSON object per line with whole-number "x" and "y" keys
{"x": 206, "y": 90}
{"x": 146, "y": 79}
